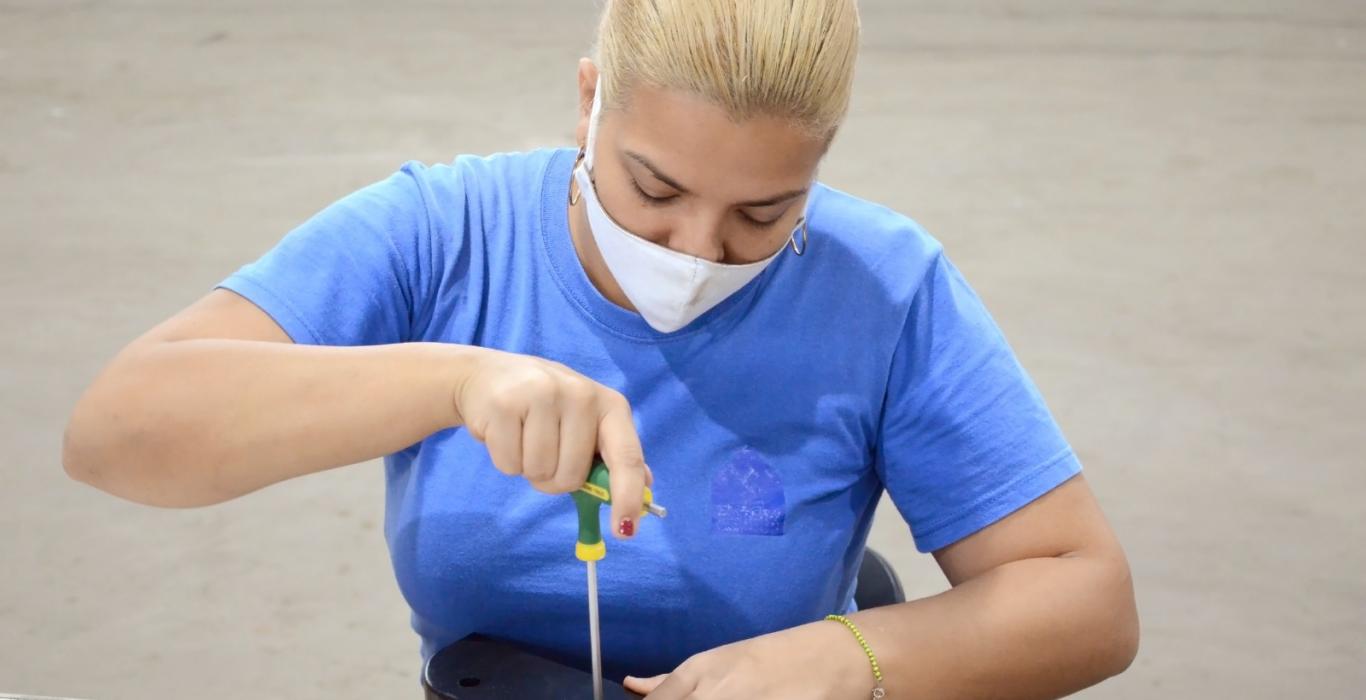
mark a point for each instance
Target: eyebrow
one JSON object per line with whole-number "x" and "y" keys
{"x": 768, "y": 201}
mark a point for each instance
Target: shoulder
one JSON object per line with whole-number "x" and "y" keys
{"x": 513, "y": 168}
{"x": 489, "y": 179}
{"x": 457, "y": 203}
{"x": 868, "y": 243}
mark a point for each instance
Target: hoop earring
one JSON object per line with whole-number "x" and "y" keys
{"x": 806, "y": 243}
{"x": 573, "y": 185}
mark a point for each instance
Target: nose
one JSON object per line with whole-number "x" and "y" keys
{"x": 699, "y": 235}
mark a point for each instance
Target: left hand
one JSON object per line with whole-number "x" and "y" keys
{"x": 819, "y": 661}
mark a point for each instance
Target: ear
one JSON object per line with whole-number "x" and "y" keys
{"x": 588, "y": 86}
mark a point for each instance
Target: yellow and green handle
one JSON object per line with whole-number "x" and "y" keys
{"x": 595, "y": 492}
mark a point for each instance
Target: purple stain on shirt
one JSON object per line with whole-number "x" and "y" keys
{"x": 747, "y": 497}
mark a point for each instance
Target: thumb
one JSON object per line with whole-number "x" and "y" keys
{"x": 643, "y": 686}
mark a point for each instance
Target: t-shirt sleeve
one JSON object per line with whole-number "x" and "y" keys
{"x": 965, "y": 438}
{"x": 355, "y": 272}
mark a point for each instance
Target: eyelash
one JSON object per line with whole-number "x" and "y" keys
{"x": 661, "y": 201}
{"x": 649, "y": 198}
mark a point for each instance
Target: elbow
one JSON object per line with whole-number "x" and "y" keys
{"x": 115, "y": 443}
{"x": 1127, "y": 644}
{"x": 1123, "y": 648}
{"x": 88, "y": 461}
{"x": 80, "y": 462}
{"x": 1123, "y": 629}
{"x": 90, "y": 439}
{"x": 99, "y": 457}
{"x": 105, "y": 473}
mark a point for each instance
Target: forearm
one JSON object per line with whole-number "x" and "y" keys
{"x": 1033, "y": 628}
{"x": 195, "y": 422}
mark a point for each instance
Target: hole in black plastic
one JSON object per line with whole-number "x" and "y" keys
{"x": 469, "y": 682}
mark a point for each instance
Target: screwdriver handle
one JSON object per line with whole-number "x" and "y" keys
{"x": 596, "y": 491}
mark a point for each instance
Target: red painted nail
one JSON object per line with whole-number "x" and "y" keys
{"x": 626, "y": 528}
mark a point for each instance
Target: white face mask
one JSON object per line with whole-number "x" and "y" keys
{"x": 668, "y": 288}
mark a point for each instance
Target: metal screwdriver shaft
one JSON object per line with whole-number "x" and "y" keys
{"x": 594, "y": 632}
{"x": 590, "y": 548}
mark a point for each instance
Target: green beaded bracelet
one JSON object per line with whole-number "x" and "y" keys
{"x": 878, "y": 692}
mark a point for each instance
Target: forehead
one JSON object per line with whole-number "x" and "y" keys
{"x": 701, "y": 146}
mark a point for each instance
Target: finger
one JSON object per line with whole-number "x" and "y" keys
{"x": 503, "y": 439}
{"x": 546, "y": 487}
{"x": 620, "y": 448}
{"x": 578, "y": 439}
{"x": 643, "y": 686}
{"x": 540, "y": 442}
{"x": 678, "y": 685}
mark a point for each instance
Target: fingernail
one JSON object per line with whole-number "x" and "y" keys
{"x": 626, "y": 528}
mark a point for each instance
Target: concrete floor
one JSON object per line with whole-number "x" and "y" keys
{"x": 1162, "y": 202}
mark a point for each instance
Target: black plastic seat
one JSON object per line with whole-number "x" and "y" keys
{"x": 477, "y": 668}
{"x": 878, "y": 584}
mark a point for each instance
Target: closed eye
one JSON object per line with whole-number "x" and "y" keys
{"x": 757, "y": 223}
{"x": 649, "y": 198}
{"x": 655, "y": 201}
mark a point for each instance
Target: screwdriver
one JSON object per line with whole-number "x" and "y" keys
{"x": 596, "y": 491}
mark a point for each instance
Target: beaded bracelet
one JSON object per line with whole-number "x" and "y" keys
{"x": 878, "y": 692}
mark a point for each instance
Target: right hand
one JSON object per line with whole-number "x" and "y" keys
{"x": 542, "y": 420}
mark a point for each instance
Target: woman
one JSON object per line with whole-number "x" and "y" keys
{"x": 677, "y": 288}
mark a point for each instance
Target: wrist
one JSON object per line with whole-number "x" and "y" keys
{"x": 850, "y": 669}
{"x": 449, "y": 368}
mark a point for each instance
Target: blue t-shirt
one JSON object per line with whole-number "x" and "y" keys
{"x": 772, "y": 423}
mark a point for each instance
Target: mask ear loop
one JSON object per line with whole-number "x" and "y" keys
{"x": 792, "y": 240}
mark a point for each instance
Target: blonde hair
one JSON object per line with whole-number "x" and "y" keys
{"x": 791, "y": 59}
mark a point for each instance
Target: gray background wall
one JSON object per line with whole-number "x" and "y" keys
{"x": 1161, "y": 202}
